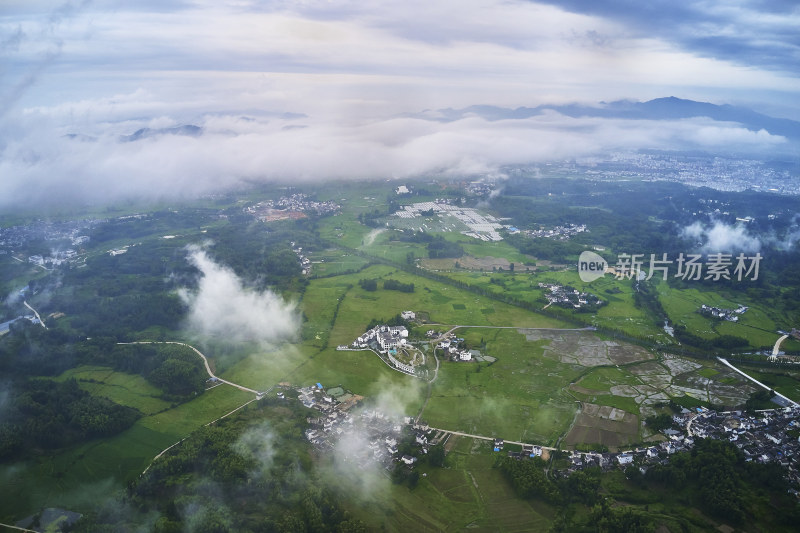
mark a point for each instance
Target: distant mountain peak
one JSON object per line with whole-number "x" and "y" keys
{"x": 189, "y": 130}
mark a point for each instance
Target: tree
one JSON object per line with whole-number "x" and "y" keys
{"x": 436, "y": 455}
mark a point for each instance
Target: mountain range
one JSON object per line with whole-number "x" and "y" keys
{"x": 669, "y": 108}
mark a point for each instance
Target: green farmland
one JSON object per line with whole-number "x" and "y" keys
{"x": 53, "y": 479}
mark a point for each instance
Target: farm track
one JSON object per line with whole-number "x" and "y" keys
{"x": 211, "y": 374}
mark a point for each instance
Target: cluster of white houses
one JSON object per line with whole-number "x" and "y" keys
{"x": 450, "y": 347}
{"x": 387, "y": 337}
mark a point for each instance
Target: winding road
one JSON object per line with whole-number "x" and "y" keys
{"x": 205, "y": 362}
{"x": 258, "y": 394}
{"x": 777, "y": 348}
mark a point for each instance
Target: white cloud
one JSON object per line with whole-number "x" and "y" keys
{"x": 352, "y": 456}
{"x": 720, "y": 237}
{"x": 41, "y": 165}
{"x": 258, "y": 443}
{"x": 108, "y": 68}
{"x": 223, "y": 307}
{"x": 328, "y": 58}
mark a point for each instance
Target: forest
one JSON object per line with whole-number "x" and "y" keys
{"x": 252, "y": 472}
{"x": 46, "y": 414}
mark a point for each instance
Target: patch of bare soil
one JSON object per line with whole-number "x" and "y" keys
{"x": 600, "y": 424}
{"x": 622, "y": 354}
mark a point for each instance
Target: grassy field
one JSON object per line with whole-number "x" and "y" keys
{"x": 521, "y": 396}
{"x": 100, "y": 466}
{"x": 131, "y": 390}
{"x": 380, "y": 244}
{"x": 756, "y": 324}
{"x": 619, "y": 313}
{"x": 334, "y": 261}
{"x": 468, "y": 494}
{"x": 787, "y": 382}
{"x": 518, "y": 397}
{"x": 602, "y": 379}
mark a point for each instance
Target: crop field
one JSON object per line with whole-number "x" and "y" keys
{"x": 609, "y": 426}
{"x": 518, "y": 397}
{"x": 434, "y": 298}
{"x": 263, "y": 367}
{"x": 524, "y": 395}
{"x": 476, "y": 264}
{"x": 502, "y": 249}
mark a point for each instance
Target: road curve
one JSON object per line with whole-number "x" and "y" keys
{"x": 36, "y": 313}
{"x": 205, "y": 362}
{"x": 777, "y": 348}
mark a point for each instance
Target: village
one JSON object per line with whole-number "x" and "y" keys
{"x": 731, "y": 315}
{"x": 451, "y": 345}
{"x": 305, "y": 262}
{"x": 568, "y": 297}
{"x": 391, "y": 345}
{"x": 19, "y": 236}
{"x": 290, "y": 207}
{"x": 764, "y": 436}
{"x": 559, "y": 233}
{"x": 385, "y": 437}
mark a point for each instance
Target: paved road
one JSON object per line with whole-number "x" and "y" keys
{"x": 460, "y": 434}
{"x": 205, "y": 362}
{"x": 36, "y": 313}
{"x": 776, "y": 349}
{"x": 754, "y": 380}
{"x": 689, "y": 425}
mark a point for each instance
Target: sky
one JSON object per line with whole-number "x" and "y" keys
{"x": 317, "y": 89}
